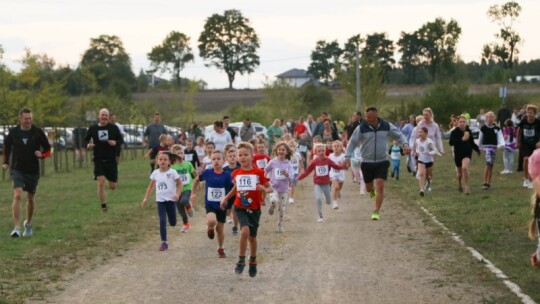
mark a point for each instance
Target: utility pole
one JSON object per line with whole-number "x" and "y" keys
{"x": 358, "y": 91}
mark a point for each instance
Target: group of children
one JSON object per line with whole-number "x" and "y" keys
{"x": 237, "y": 182}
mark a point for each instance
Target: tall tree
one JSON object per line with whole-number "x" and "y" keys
{"x": 172, "y": 55}
{"x": 504, "y": 51}
{"x": 109, "y": 64}
{"x": 230, "y": 44}
{"x": 410, "y": 48}
{"x": 438, "y": 45}
{"x": 325, "y": 60}
{"x": 379, "y": 50}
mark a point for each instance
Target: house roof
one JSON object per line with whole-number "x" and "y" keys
{"x": 295, "y": 73}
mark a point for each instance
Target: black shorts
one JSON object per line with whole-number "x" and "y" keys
{"x": 27, "y": 181}
{"x": 526, "y": 150}
{"x": 108, "y": 168}
{"x": 428, "y": 164}
{"x": 230, "y": 203}
{"x": 250, "y": 218}
{"x": 458, "y": 158}
{"x": 372, "y": 171}
{"x": 221, "y": 215}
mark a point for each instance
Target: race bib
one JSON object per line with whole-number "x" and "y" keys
{"x": 261, "y": 163}
{"x": 188, "y": 157}
{"x": 279, "y": 174}
{"x": 528, "y": 132}
{"x": 335, "y": 171}
{"x": 295, "y": 166}
{"x": 321, "y": 170}
{"x": 215, "y": 194}
{"x": 302, "y": 148}
{"x": 247, "y": 182}
{"x": 184, "y": 178}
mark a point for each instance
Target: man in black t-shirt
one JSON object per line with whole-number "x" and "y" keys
{"x": 226, "y": 122}
{"x": 24, "y": 146}
{"x": 104, "y": 138}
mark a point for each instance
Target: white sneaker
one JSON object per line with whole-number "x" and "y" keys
{"x": 530, "y": 186}
{"x": 229, "y": 220}
{"x": 526, "y": 183}
{"x": 320, "y": 220}
{"x": 291, "y": 200}
{"x": 362, "y": 192}
{"x": 335, "y": 205}
{"x": 279, "y": 228}
{"x": 504, "y": 171}
{"x": 27, "y": 229}
{"x": 16, "y": 232}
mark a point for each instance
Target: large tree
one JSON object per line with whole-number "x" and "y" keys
{"x": 172, "y": 55}
{"x": 110, "y": 65}
{"x": 410, "y": 47}
{"x": 504, "y": 51}
{"x": 438, "y": 40}
{"x": 230, "y": 43}
{"x": 325, "y": 60}
{"x": 379, "y": 50}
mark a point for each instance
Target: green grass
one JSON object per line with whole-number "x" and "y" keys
{"x": 493, "y": 222}
{"x": 70, "y": 232}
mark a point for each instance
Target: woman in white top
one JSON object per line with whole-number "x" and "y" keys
{"x": 220, "y": 137}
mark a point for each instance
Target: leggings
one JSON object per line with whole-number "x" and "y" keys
{"x": 319, "y": 191}
{"x": 182, "y": 204}
{"x": 508, "y": 160}
{"x": 166, "y": 210}
{"x": 395, "y": 164}
{"x": 280, "y": 198}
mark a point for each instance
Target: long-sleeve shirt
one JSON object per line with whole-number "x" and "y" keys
{"x": 425, "y": 150}
{"x": 490, "y": 137}
{"x": 434, "y": 133}
{"x": 321, "y": 166}
{"x": 274, "y": 170}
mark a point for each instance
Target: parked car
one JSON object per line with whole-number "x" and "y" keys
{"x": 259, "y": 129}
{"x": 133, "y": 136}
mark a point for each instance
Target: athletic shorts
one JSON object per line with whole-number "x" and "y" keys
{"x": 458, "y": 158}
{"x": 27, "y": 181}
{"x": 109, "y": 169}
{"x": 490, "y": 155}
{"x": 230, "y": 203}
{"x": 526, "y": 150}
{"x": 372, "y": 171}
{"x": 428, "y": 164}
{"x": 250, "y": 218}
{"x": 221, "y": 215}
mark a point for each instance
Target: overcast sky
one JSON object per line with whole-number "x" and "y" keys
{"x": 288, "y": 29}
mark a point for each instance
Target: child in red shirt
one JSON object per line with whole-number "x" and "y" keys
{"x": 249, "y": 182}
{"x": 261, "y": 159}
{"x": 321, "y": 178}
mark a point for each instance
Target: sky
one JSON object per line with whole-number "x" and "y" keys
{"x": 288, "y": 29}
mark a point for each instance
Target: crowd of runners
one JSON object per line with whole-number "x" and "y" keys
{"x": 240, "y": 171}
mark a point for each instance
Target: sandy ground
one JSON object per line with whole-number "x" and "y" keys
{"x": 403, "y": 258}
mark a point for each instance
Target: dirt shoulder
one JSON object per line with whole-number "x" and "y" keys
{"x": 403, "y": 258}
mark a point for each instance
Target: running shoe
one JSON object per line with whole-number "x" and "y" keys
{"x": 526, "y": 183}
{"x": 189, "y": 210}
{"x": 372, "y": 194}
{"x": 320, "y": 220}
{"x": 485, "y": 186}
{"x": 164, "y": 246}
{"x": 335, "y": 205}
{"x": 229, "y": 220}
{"x": 27, "y": 229}
{"x": 235, "y": 230}
{"x": 210, "y": 233}
{"x": 239, "y": 267}
{"x": 16, "y": 232}
{"x": 279, "y": 228}
{"x": 291, "y": 200}
{"x": 185, "y": 228}
{"x": 422, "y": 193}
{"x": 221, "y": 253}
{"x": 271, "y": 209}
{"x": 375, "y": 216}
{"x": 427, "y": 186}
{"x": 252, "y": 269}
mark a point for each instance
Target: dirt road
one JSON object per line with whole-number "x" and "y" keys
{"x": 402, "y": 258}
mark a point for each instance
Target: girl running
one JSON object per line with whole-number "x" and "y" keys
{"x": 489, "y": 139}
{"x": 510, "y": 135}
{"x": 207, "y": 160}
{"x": 250, "y": 182}
{"x": 321, "y": 179}
{"x": 187, "y": 174}
{"x": 297, "y": 163}
{"x": 395, "y": 151}
{"x": 463, "y": 143}
{"x": 217, "y": 181}
{"x": 281, "y": 174}
{"x": 169, "y": 187}
{"x": 425, "y": 150}
{"x": 434, "y": 133}
{"x": 337, "y": 176}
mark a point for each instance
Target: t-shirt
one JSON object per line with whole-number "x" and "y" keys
{"x": 260, "y": 160}
{"x": 299, "y": 129}
{"x": 216, "y": 186}
{"x": 206, "y": 163}
{"x": 530, "y": 132}
{"x": 338, "y": 160}
{"x": 221, "y": 140}
{"x": 246, "y": 181}
{"x": 425, "y": 150}
{"x": 322, "y": 170}
{"x": 185, "y": 171}
{"x": 165, "y": 184}
{"x": 20, "y": 148}
{"x": 153, "y": 132}
{"x": 192, "y": 156}
{"x": 100, "y": 135}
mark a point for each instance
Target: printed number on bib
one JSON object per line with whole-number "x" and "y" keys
{"x": 261, "y": 163}
{"x": 246, "y": 182}
{"x": 188, "y": 157}
{"x": 184, "y": 178}
{"x": 302, "y": 148}
{"x": 528, "y": 132}
{"x": 215, "y": 194}
{"x": 279, "y": 174}
{"x": 321, "y": 170}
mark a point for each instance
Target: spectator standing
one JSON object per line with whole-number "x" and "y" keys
{"x": 153, "y": 131}
{"x": 247, "y": 131}
{"x": 232, "y": 132}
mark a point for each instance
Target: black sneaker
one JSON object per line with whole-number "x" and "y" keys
{"x": 240, "y": 267}
{"x": 392, "y": 175}
{"x": 252, "y": 269}
{"x": 485, "y": 186}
